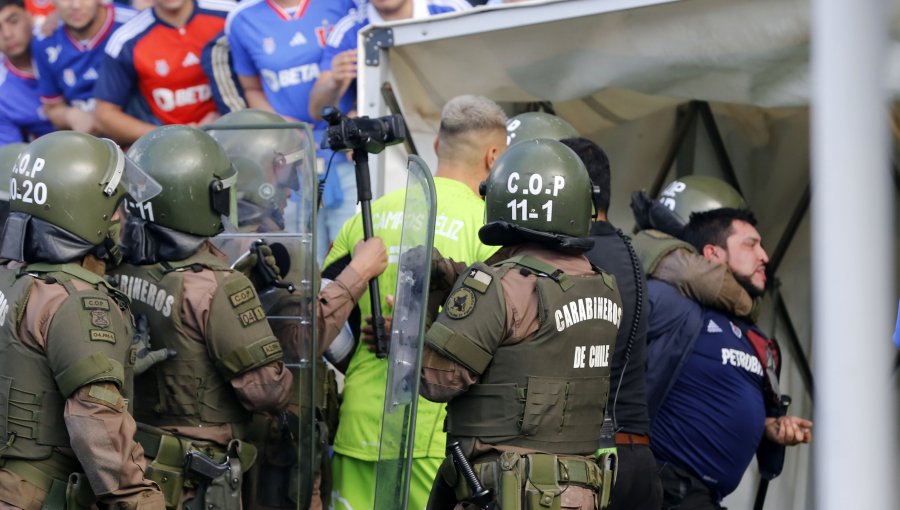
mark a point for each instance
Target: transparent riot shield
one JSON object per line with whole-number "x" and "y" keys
{"x": 272, "y": 241}
{"x": 407, "y": 335}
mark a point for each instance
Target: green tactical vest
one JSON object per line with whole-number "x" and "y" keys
{"x": 33, "y": 386}
{"x": 652, "y": 246}
{"x": 186, "y": 390}
{"x": 549, "y": 392}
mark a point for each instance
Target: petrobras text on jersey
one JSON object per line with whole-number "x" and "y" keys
{"x": 277, "y": 80}
{"x": 168, "y": 99}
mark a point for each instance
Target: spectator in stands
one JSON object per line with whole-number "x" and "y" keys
{"x": 68, "y": 60}
{"x": 277, "y": 46}
{"x": 157, "y": 55}
{"x": 337, "y": 70}
{"x": 21, "y": 113}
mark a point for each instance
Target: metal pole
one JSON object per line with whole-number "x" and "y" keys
{"x": 853, "y": 257}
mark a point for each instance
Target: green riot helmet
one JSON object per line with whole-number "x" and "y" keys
{"x": 531, "y": 125}
{"x": 75, "y": 181}
{"x": 8, "y": 155}
{"x": 538, "y": 191}
{"x": 196, "y": 176}
{"x": 699, "y": 193}
{"x": 268, "y": 162}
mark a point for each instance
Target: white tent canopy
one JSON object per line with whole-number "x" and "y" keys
{"x": 666, "y": 88}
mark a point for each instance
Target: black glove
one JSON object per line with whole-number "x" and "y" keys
{"x": 260, "y": 265}
{"x": 649, "y": 213}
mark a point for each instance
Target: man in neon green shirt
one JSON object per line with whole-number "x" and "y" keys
{"x": 472, "y": 135}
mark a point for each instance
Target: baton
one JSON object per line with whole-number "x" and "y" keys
{"x": 481, "y": 497}
{"x": 364, "y": 196}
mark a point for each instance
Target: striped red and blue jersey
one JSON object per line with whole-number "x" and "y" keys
{"x": 21, "y": 112}
{"x": 162, "y": 63}
{"x": 68, "y": 68}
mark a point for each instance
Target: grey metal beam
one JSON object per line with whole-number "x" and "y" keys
{"x": 686, "y": 115}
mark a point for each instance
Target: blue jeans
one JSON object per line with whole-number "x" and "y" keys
{"x": 330, "y": 219}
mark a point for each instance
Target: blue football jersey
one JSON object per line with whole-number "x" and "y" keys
{"x": 283, "y": 47}
{"x": 21, "y": 112}
{"x": 343, "y": 37}
{"x": 67, "y": 68}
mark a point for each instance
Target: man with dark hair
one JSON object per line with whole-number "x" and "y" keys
{"x": 637, "y": 484}
{"x": 68, "y": 60}
{"x": 712, "y": 377}
{"x": 21, "y": 113}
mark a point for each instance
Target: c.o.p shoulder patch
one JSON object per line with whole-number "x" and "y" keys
{"x": 460, "y": 304}
{"x": 94, "y": 303}
{"x": 242, "y": 296}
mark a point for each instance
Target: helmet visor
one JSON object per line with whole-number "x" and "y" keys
{"x": 223, "y": 195}
{"x": 287, "y": 168}
{"x": 139, "y": 185}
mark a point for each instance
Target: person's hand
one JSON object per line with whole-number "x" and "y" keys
{"x": 369, "y": 258}
{"x": 343, "y": 67}
{"x": 789, "y": 430}
{"x": 368, "y": 333}
{"x": 249, "y": 266}
{"x": 82, "y": 121}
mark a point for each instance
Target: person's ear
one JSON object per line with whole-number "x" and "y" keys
{"x": 714, "y": 253}
{"x": 490, "y": 156}
{"x": 437, "y": 142}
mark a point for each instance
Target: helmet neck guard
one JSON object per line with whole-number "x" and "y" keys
{"x": 26, "y": 238}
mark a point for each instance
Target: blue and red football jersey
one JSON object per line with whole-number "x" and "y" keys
{"x": 67, "y": 68}
{"x": 162, "y": 63}
{"x": 283, "y": 47}
{"x": 21, "y": 112}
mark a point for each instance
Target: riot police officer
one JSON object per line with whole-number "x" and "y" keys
{"x": 521, "y": 350}
{"x": 195, "y": 407}
{"x": 533, "y": 125}
{"x": 665, "y": 256}
{"x": 66, "y": 436}
{"x": 271, "y": 165}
